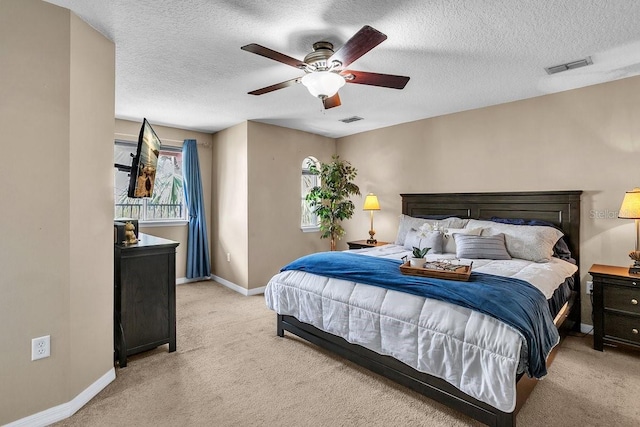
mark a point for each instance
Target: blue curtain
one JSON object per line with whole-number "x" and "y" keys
{"x": 198, "y": 262}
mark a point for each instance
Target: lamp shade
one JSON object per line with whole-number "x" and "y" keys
{"x": 323, "y": 83}
{"x": 630, "y": 208}
{"x": 371, "y": 203}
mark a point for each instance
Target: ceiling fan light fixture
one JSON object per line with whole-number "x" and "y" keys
{"x": 323, "y": 84}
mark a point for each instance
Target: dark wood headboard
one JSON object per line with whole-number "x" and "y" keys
{"x": 561, "y": 208}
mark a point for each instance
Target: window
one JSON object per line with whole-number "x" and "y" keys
{"x": 167, "y": 201}
{"x": 309, "y": 220}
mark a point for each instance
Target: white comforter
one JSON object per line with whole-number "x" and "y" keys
{"x": 476, "y": 353}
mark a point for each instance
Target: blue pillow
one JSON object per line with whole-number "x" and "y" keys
{"x": 522, "y": 221}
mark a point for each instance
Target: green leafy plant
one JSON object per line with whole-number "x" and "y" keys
{"x": 330, "y": 200}
{"x": 420, "y": 253}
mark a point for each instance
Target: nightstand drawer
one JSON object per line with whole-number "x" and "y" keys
{"x": 621, "y": 327}
{"x": 626, "y": 282}
{"x": 621, "y": 298}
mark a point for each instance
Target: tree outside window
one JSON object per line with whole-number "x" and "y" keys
{"x": 167, "y": 201}
{"x": 309, "y": 221}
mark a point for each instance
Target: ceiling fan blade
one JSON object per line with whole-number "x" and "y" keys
{"x": 275, "y": 87}
{"x": 362, "y": 42}
{"x": 333, "y": 101}
{"x": 375, "y": 79}
{"x": 272, "y": 54}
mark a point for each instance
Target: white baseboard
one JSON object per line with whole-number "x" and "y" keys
{"x": 586, "y": 329}
{"x": 183, "y": 280}
{"x": 239, "y": 289}
{"x": 244, "y": 291}
{"x": 60, "y": 412}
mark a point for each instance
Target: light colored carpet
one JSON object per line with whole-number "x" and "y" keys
{"x": 231, "y": 369}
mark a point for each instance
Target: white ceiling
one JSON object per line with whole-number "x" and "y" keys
{"x": 179, "y": 63}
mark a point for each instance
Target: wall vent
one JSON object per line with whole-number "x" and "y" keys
{"x": 569, "y": 65}
{"x": 351, "y": 119}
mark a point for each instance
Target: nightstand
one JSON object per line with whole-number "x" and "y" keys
{"x": 616, "y": 312}
{"x": 360, "y": 244}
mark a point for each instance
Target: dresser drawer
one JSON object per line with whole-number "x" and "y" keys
{"x": 626, "y": 328}
{"x": 621, "y": 298}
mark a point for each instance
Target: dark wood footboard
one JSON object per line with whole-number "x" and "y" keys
{"x": 428, "y": 385}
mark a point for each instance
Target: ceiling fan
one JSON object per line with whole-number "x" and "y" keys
{"x": 326, "y": 70}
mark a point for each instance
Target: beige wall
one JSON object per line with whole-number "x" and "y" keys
{"x": 57, "y": 253}
{"x": 275, "y": 164}
{"x": 585, "y": 139}
{"x": 92, "y": 79}
{"x": 229, "y": 206}
{"x": 173, "y": 137}
{"x": 256, "y": 200}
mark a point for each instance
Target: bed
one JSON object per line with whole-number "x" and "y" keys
{"x": 560, "y": 209}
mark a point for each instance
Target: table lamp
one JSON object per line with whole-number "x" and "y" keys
{"x": 630, "y": 209}
{"x": 371, "y": 204}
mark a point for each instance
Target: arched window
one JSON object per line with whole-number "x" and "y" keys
{"x": 308, "y": 219}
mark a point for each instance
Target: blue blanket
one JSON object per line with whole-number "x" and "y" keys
{"x": 513, "y": 301}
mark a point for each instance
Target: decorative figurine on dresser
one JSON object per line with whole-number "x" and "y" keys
{"x": 144, "y": 295}
{"x": 130, "y": 233}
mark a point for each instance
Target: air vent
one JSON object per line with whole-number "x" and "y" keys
{"x": 351, "y": 119}
{"x": 569, "y": 65}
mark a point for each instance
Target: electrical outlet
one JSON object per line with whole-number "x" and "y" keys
{"x": 589, "y": 287}
{"x": 228, "y": 257}
{"x": 41, "y": 347}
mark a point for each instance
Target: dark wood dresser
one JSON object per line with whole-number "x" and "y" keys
{"x": 616, "y": 312}
{"x": 145, "y": 296}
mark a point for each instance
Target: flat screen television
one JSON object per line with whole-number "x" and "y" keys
{"x": 145, "y": 162}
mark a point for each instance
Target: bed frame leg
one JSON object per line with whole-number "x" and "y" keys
{"x": 279, "y": 328}
{"x": 506, "y": 420}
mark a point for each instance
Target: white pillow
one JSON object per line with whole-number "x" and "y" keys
{"x": 408, "y": 222}
{"x": 432, "y": 240}
{"x": 449, "y": 241}
{"x": 531, "y": 242}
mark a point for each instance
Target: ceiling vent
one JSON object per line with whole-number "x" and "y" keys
{"x": 569, "y": 65}
{"x": 351, "y": 119}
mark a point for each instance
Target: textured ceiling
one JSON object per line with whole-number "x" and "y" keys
{"x": 179, "y": 63}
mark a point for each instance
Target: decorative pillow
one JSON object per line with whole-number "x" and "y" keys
{"x": 449, "y": 241}
{"x": 560, "y": 250}
{"x": 480, "y": 247}
{"x": 407, "y": 223}
{"x": 432, "y": 239}
{"x": 530, "y": 242}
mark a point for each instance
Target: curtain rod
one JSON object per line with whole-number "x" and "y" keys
{"x": 135, "y": 137}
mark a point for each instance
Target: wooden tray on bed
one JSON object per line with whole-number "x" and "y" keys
{"x": 462, "y": 272}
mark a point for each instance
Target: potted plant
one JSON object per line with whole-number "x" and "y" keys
{"x": 419, "y": 257}
{"x": 330, "y": 200}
